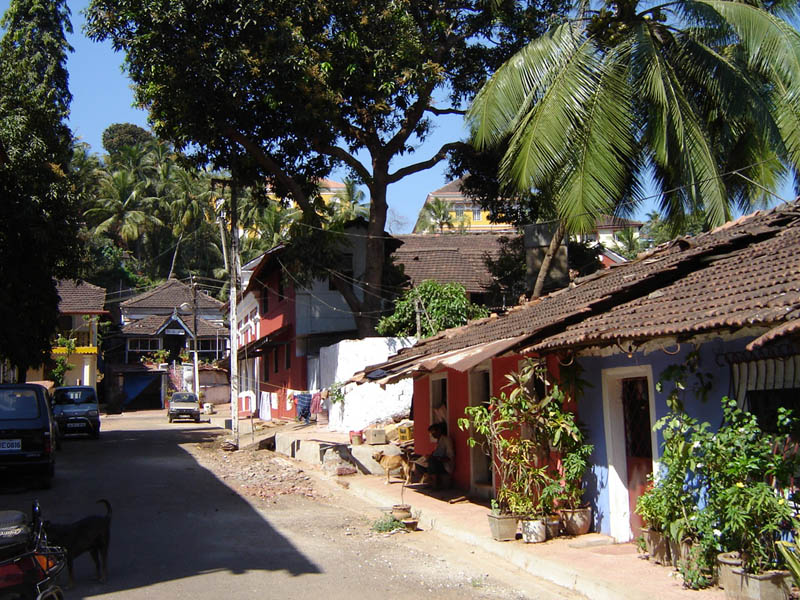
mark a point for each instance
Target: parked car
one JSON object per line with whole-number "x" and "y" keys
{"x": 76, "y": 410}
{"x": 184, "y": 405}
{"x": 27, "y": 433}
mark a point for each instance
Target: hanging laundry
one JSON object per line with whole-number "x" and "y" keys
{"x": 264, "y": 412}
{"x": 273, "y": 398}
{"x": 303, "y": 401}
{"x": 290, "y": 399}
{"x": 316, "y": 403}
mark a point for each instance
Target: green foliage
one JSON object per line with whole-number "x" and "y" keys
{"x": 438, "y": 306}
{"x": 286, "y": 91}
{"x": 336, "y": 393}
{"x": 689, "y": 92}
{"x": 62, "y": 365}
{"x": 683, "y": 378}
{"x": 434, "y": 217}
{"x": 39, "y": 239}
{"x": 387, "y": 524}
{"x": 118, "y": 136}
{"x": 696, "y": 571}
{"x": 790, "y": 551}
{"x": 657, "y": 230}
{"x": 725, "y": 490}
{"x": 520, "y": 428}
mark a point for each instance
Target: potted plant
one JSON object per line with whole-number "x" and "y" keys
{"x": 516, "y": 428}
{"x": 651, "y": 507}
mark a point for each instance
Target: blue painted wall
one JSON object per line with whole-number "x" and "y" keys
{"x": 590, "y": 406}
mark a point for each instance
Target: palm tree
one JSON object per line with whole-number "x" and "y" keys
{"x": 348, "y": 204}
{"x": 436, "y": 216}
{"x": 687, "y": 90}
{"x": 627, "y": 243}
{"x": 122, "y": 209}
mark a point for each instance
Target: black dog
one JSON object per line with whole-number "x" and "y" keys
{"x": 91, "y": 534}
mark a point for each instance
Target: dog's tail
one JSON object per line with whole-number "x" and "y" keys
{"x": 108, "y": 505}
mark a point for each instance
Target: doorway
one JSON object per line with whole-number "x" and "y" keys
{"x": 638, "y": 447}
{"x": 631, "y": 447}
{"x": 481, "y": 475}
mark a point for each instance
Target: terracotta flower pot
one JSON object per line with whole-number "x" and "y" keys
{"x": 401, "y": 511}
{"x": 657, "y": 546}
{"x": 576, "y": 521}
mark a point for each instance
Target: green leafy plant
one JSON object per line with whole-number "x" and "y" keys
{"x": 696, "y": 571}
{"x": 791, "y": 556}
{"x": 62, "y": 366}
{"x": 386, "y": 524}
{"x": 521, "y": 428}
{"x": 336, "y": 393}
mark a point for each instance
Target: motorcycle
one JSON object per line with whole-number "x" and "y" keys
{"x": 29, "y": 566}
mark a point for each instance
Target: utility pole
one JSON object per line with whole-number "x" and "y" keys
{"x": 419, "y": 324}
{"x": 234, "y": 292}
{"x": 234, "y": 262}
{"x": 194, "y": 339}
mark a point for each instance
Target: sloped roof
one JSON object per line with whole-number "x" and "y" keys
{"x": 153, "y": 324}
{"x": 452, "y": 188}
{"x": 612, "y": 222}
{"x": 448, "y": 257}
{"x": 746, "y": 272}
{"x": 79, "y": 297}
{"x": 171, "y": 294}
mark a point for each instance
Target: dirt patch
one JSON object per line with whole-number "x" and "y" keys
{"x": 254, "y": 473}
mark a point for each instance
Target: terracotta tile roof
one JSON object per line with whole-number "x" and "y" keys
{"x": 745, "y": 272}
{"x": 611, "y": 222}
{"x": 171, "y": 294}
{"x": 452, "y": 188}
{"x": 80, "y": 297}
{"x": 449, "y": 257}
{"x": 152, "y": 324}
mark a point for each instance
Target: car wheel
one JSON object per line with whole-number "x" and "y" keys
{"x": 95, "y": 434}
{"x": 197, "y": 419}
{"x": 170, "y": 418}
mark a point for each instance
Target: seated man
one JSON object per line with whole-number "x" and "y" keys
{"x": 439, "y": 464}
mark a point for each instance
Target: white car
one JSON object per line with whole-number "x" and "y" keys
{"x": 184, "y": 405}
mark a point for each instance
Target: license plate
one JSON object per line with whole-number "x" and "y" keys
{"x": 10, "y": 445}
{"x": 74, "y": 425}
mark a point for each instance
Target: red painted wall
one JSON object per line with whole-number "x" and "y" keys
{"x": 457, "y": 401}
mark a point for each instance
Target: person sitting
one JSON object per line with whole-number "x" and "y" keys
{"x": 439, "y": 464}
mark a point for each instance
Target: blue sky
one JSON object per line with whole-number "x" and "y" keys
{"x": 102, "y": 96}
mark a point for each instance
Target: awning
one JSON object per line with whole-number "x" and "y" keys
{"x": 462, "y": 360}
{"x": 261, "y": 345}
{"x": 782, "y": 330}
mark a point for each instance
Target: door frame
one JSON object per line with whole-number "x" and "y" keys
{"x": 479, "y": 489}
{"x": 614, "y": 429}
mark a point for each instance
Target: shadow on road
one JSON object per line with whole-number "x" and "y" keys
{"x": 172, "y": 518}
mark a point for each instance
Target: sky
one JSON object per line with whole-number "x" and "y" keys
{"x": 102, "y": 96}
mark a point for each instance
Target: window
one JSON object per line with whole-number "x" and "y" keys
{"x": 265, "y": 300}
{"x": 275, "y": 360}
{"x": 144, "y": 344}
{"x": 288, "y": 356}
{"x": 265, "y": 363}
{"x": 439, "y": 412}
{"x": 459, "y": 211}
{"x": 476, "y": 214}
{"x": 763, "y": 383}
{"x": 280, "y": 287}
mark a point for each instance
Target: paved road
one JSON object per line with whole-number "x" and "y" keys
{"x": 180, "y": 532}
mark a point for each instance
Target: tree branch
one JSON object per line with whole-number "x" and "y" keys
{"x": 427, "y": 164}
{"x": 348, "y": 159}
{"x": 445, "y": 111}
{"x": 269, "y": 163}
{"x": 413, "y": 116}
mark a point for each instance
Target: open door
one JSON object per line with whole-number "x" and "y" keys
{"x": 638, "y": 446}
{"x": 481, "y": 477}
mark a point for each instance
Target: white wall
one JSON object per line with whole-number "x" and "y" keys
{"x": 366, "y": 403}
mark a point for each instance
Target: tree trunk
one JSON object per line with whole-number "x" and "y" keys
{"x": 174, "y": 256}
{"x": 547, "y": 262}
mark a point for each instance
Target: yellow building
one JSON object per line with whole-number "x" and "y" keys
{"x": 465, "y": 214}
{"x": 80, "y": 309}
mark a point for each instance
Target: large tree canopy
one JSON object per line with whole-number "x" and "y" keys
{"x": 38, "y": 201}
{"x": 287, "y": 90}
{"x": 704, "y": 94}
